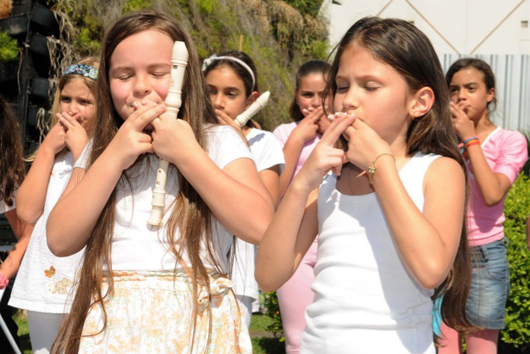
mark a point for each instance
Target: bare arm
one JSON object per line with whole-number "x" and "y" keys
{"x": 31, "y": 195}
{"x": 271, "y": 179}
{"x": 295, "y": 225}
{"x": 305, "y": 130}
{"x": 235, "y": 194}
{"x": 67, "y": 232}
{"x": 493, "y": 186}
{"x": 427, "y": 242}
{"x": 23, "y": 232}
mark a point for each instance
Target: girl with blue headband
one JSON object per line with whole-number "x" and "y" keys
{"x": 44, "y": 282}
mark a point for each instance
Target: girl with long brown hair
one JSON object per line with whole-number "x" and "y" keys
{"x": 11, "y": 176}
{"x": 390, "y": 221}
{"x": 146, "y": 289}
{"x": 44, "y": 281}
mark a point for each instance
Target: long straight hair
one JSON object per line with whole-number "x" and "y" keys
{"x": 407, "y": 50}
{"x": 11, "y": 156}
{"x": 189, "y": 214}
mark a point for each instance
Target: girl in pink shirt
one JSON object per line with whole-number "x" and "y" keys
{"x": 494, "y": 158}
{"x": 299, "y": 139}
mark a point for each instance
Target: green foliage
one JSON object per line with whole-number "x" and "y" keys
{"x": 207, "y": 6}
{"x": 134, "y": 5}
{"x": 8, "y": 48}
{"x": 310, "y": 7}
{"x": 278, "y": 35}
{"x": 517, "y": 210}
{"x": 272, "y": 309}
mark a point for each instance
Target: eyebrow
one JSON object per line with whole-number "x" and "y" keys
{"x": 362, "y": 77}
{"x": 466, "y": 84}
{"x": 149, "y": 67}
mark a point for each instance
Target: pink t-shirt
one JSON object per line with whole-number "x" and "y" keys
{"x": 283, "y": 131}
{"x": 506, "y": 152}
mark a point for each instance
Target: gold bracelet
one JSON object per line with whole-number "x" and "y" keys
{"x": 371, "y": 169}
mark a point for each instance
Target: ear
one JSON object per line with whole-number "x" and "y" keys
{"x": 421, "y": 102}
{"x": 491, "y": 94}
{"x": 251, "y": 99}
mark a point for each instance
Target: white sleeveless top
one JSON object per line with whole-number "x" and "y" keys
{"x": 365, "y": 300}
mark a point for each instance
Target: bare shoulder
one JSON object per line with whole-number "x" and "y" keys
{"x": 445, "y": 172}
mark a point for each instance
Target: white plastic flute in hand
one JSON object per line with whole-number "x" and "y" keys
{"x": 254, "y": 108}
{"x": 179, "y": 60}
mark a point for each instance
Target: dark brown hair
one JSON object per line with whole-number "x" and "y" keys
{"x": 189, "y": 214}
{"x": 480, "y": 65}
{"x": 240, "y": 70}
{"x": 307, "y": 68}
{"x": 405, "y": 48}
{"x": 12, "y": 170}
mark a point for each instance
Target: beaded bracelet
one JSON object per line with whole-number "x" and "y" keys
{"x": 470, "y": 139}
{"x": 371, "y": 170}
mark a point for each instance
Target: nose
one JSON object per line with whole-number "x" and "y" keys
{"x": 73, "y": 107}
{"x": 461, "y": 95}
{"x": 141, "y": 86}
{"x": 217, "y": 101}
{"x": 316, "y": 101}
{"x": 350, "y": 100}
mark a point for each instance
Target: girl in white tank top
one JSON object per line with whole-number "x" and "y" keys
{"x": 390, "y": 213}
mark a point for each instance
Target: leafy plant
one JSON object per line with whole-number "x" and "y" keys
{"x": 8, "y": 48}
{"x": 517, "y": 210}
{"x": 272, "y": 309}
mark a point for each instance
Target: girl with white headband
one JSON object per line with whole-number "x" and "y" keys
{"x": 44, "y": 282}
{"x": 232, "y": 84}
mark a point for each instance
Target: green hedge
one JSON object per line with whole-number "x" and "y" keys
{"x": 516, "y": 210}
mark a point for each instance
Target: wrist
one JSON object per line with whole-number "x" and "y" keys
{"x": 377, "y": 164}
{"x": 4, "y": 281}
{"x": 46, "y": 151}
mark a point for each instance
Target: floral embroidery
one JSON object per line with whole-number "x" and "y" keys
{"x": 50, "y": 272}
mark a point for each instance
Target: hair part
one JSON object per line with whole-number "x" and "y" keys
{"x": 189, "y": 213}
{"x": 407, "y": 50}
{"x": 11, "y": 155}
{"x": 480, "y": 65}
{"x": 309, "y": 67}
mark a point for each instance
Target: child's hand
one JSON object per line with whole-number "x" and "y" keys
{"x": 55, "y": 139}
{"x": 463, "y": 125}
{"x": 76, "y": 136}
{"x": 325, "y": 156}
{"x": 173, "y": 139}
{"x": 364, "y": 144}
{"x": 131, "y": 141}
{"x": 308, "y": 127}
{"x": 226, "y": 119}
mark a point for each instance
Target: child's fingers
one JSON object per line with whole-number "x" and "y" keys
{"x": 65, "y": 121}
{"x": 146, "y": 115}
{"x": 336, "y": 128}
{"x": 73, "y": 119}
{"x": 315, "y": 115}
